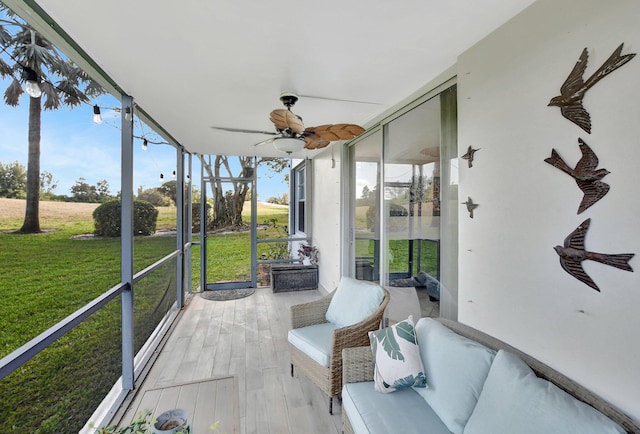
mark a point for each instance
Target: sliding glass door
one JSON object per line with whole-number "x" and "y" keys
{"x": 404, "y": 208}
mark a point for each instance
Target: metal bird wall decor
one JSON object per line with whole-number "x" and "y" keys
{"x": 470, "y": 206}
{"x": 585, "y": 173}
{"x": 469, "y": 155}
{"x": 573, "y": 253}
{"x": 574, "y": 87}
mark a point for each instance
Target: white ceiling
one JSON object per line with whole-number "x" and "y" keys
{"x": 194, "y": 64}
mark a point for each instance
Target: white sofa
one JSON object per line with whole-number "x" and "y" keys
{"x": 476, "y": 384}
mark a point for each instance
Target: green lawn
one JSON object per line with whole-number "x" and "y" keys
{"x": 46, "y": 277}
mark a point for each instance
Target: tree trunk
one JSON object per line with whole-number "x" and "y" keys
{"x": 31, "y": 223}
{"x": 227, "y": 206}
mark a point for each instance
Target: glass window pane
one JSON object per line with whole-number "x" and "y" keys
{"x": 366, "y": 206}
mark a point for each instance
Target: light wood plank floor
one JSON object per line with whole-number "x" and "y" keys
{"x": 246, "y": 338}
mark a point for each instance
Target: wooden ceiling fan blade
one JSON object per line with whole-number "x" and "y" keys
{"x": 283, "y": 119}
{"x": 241, "y": 130}
{"x": 265, "y": 142}
{"x": 315, "y": 142}
{"x": 334, "y": 132}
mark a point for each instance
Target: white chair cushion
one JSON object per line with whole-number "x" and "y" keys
{"x": 514, "y": 400}
{"x": 315, "y": 341}
{"x": 456, "y": 369}
{"x": 354, "y": 301}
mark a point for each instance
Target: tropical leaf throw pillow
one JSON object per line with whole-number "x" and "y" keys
{"x": 397, "y": 358}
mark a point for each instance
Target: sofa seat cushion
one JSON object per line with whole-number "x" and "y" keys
{"x": 315, "y": 341}
{"x": 514, "y": 400}
{"x": 354, "y": 301}
{"x": 403, "y": 411}
{"x": 456, "y": 369}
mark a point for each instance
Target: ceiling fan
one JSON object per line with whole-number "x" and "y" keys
{"x": 291, "y": 134}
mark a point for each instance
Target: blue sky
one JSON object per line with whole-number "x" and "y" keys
{"x": 72, "y": 147}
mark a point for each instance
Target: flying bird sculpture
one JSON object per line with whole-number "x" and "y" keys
{"x": 585, "y": 173}
{"x": 574, "y": 88}
{"x": 573, "y": 253}
{"x": 470, "y": 206}
{"x": 469, "y": 155}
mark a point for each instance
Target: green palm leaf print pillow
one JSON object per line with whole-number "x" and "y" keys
{"x": 397, "y": 358}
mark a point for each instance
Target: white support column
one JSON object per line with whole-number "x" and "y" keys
{"x": 126, "y": 240}
{"x": 180, "y": 227}
{"x": 189, "y": 224}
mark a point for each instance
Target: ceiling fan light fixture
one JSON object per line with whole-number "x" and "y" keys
{"x": 288, "y": 144}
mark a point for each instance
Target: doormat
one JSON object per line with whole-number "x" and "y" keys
{"x": 227, "y": 294}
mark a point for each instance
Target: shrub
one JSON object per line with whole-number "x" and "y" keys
{"x": 107, "y": 216}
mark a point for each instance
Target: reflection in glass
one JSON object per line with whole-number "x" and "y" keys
{"x": 365, "y": 191}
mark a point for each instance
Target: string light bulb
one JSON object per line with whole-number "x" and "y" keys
{"x": 127, "y": 114}
{"x": 31, "y": 85}
{"x": 161, "y": 177}
{"x": 173, "y": 175}
{"x": 96, "y": 115}
{"x": 145, "y": 144}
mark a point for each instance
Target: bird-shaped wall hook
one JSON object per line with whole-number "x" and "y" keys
{"x": 574, "y": 87}
{"x": 573, "y": 253}
{"x": 470, "y": 206}
{"x": 469, "y": 155}
{"x": 585, "y": 174}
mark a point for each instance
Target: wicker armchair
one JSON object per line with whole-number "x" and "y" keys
{"x": 329, "y": 379}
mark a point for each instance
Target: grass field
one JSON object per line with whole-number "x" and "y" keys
{"x": 45, "y": 277}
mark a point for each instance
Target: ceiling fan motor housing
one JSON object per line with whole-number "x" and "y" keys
{"x": 288, "y": 99}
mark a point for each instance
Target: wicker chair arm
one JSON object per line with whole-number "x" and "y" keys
{"x": 310, "y": 313}
{"x": 357, "y": 365}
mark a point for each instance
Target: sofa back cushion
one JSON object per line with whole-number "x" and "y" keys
{"x": 456, "y": 369}
{"x": 354, "y": 301}
{"x": 515, "y": 400}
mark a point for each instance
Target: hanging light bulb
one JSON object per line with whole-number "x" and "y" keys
{"x": 161, "y": 177}
{"x": 173, "y": 175}
{"x": 31, "y": 85}
{"x": 96, "y": 115}
{"x": 144, "y": 144}
{"x": 127, "y": 114}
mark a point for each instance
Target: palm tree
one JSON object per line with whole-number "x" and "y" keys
{"x": 29, "y": 52}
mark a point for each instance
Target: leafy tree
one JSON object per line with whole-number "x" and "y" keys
{"x": 47, "y": 183}
{"x": 228, "y": 205}
{"x": 81, "y": 191}
{"x": 154, "y": 196}
{"x": 168, "y": 189}
{"x": 13, "y": 180}
{"x": 102, "y": 190}
{"x": 366, "y": 193}
{"x": 280, "y": 200}
{"x": 28, "y": 50}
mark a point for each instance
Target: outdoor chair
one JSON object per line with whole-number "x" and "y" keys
{"x": 322, "y": 328}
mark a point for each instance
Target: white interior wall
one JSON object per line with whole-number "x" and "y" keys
{"x": 326, "y": 215}
{"x": 511, "y": 284}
